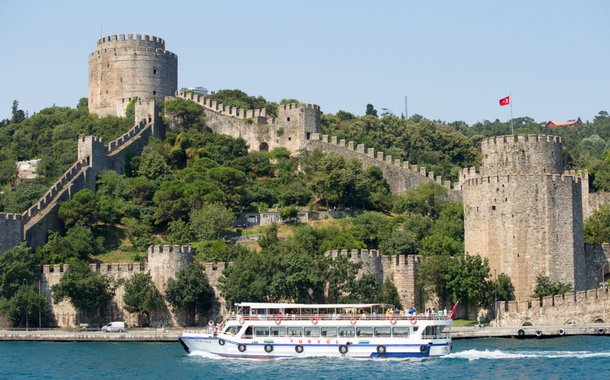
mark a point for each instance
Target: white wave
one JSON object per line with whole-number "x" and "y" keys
{"x": 497, "y": 354}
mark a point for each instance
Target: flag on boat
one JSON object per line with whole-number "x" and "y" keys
{"x": 505, "y": 101}
{"x": 453, "y": 311}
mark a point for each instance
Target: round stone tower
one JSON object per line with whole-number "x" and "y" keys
{"x": 123, "y": 68}
{"x": 523, "y": 214}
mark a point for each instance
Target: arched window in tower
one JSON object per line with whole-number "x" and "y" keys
{"x": 264, "y": 147}
{"x": 155, "y": 70}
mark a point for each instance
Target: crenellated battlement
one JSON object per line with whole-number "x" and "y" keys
{"x": 525, "y": 154}
{"x": 9, "y": 216}
{"x": 579, "y": 307}
{"x": 510, "y": 139}
{"x": 293, "y": 106}
{"x": 521, "y": 178}
{"x": 213, "y": 105}
{"x": 362, "y": 152}
{"x": 120, "y": 41}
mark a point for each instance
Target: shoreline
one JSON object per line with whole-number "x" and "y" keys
{"x": 171, "y": 336}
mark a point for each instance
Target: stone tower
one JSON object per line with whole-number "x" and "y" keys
{"x": 523, "y": 214}
{"x": 123, "y": 68}
{"x": 165, "y": 261}
{"x": 299, "y": 121}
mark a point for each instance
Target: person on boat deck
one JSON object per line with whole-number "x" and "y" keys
{"x": 374, "y": 314}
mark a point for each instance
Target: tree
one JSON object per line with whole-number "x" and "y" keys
{"x": 546, "y": 287}
{"x": 141, "y": 295}
{"x": 288, "y": 213}
{"x": 86, "y": 290}
{"x": 211, "y": 220}
{"x": 506, "y": 290}
{"x": 399, "y": 243}
{"x": 83, "y": 209}
{"x": 138, "y": 232}
{"x": 389, "y": 294}
{"x": 597, "y": 227}
{"x": 190, "y": 290}
{"x": 370, "y": 110}
{"x": 469, "y": 281}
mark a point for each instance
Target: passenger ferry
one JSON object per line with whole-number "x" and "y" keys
{"x": 274, "y": 330}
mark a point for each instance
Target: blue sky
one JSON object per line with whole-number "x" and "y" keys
{"x": 453, "y": 59}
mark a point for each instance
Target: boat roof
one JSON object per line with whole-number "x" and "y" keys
{"x": 263, "y": 305}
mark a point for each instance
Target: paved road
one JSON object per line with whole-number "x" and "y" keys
{"x": 530, "y": 331}
{"x": 91, "y": 336}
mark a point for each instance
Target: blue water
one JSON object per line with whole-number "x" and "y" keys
{"x": 566, "y": 357}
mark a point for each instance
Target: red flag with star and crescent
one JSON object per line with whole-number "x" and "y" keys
{"x": 505, "y": 101}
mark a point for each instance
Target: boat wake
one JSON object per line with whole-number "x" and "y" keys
{"x": 497, "y": 354}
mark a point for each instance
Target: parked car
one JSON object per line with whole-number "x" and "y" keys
{"x": 114, "y": 327}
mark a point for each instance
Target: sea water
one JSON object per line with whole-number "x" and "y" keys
{"x": 585, "y": 357}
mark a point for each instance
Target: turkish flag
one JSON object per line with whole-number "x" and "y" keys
{"x": 505, "y": 101}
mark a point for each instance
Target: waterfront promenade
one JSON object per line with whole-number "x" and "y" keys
{"x": 161, "y": 335}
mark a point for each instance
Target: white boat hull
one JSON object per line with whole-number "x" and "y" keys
{"x": 287, "y": 348}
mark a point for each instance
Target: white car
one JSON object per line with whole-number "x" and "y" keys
{"x": 114, "y": 327}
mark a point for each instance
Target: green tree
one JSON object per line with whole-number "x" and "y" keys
{"x": 86, "y": 290}
{"x": 506, "y": 290}
{"x": 190, "y": 290}
{"x": 546, "y": 287}
{"x": 16, "y": 266}
{"x": 83, "y": 209}
{"x": 211, "y": 220}
{"x": 370, "y": 110}
{"x": 288, "y": 213}
{"x": 469, "y": 281}
{"x": 141, "y": 295}
{"x": 138, "y": 232}
{"x": 597, "y": 227}
{"x": 389, "y": 294}
{"x": 399, "y": 243}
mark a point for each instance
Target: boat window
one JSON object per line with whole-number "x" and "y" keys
{"x": 278, "y": 331}
{"x": 365, "y": 332}
{"x": 232, "y": 330}
{"x": 346, "y": 332}
{"x": 312, "y": 331}
{"x": 248, "y": 333}
{"x": 383, "y": 332}
{"x": 401, "y": 332}
{"x": 433, "y": 332}
{"x": 295, "y": 331}
{"x": 261, "y": 331}
{"x": 329, "y": 332}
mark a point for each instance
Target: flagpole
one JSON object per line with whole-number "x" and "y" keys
{"x": 512, "y": 130}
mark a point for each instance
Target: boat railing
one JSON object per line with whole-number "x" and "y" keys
{"x": 436, "y": 336}
{"x": 354, "y": 318}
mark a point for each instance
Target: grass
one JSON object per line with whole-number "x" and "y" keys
{"x": 463, "y": 322}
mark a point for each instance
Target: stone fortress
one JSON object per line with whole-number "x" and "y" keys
{"x": 521, "y": 210}
{"x": 125, "y": 68}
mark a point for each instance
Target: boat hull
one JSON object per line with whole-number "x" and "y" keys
{"x": 287, "y": 348}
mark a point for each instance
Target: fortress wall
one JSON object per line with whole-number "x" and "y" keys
{"x": 93, "y": 157}
{"x": 11, "y": 231}
{"x": 525, "y": 225}
{"x": 596, "y": 264}
{"x": 580, "y": 307}
{"x": 400, "y": 177}
{"x": 401, "y": 270}
{"x": 529, "y": 154}
{"x": 163, "y": 263}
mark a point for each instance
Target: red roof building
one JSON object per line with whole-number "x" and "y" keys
{"x": 571, "y": 124}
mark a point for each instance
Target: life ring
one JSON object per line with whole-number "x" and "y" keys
{"x": 343, "y": 349}
{"x": 241, "y": 347}
{"x": 601, "y": 331}
{"x": 353, "y": 321}
{"x": 241, "y": 321}
{"x": 413, "y": 320}
{"x": 424, "y": 349}
{"x": 314, "y": 320}
{"x": 561, "y": 332}
{"x": 381, "y": 349}
{"x": 278, "y": 320}
{"x": 538, "y": 333}
{"x": 221, "y": 342}
{"x": 268, "y": 348}
{"x": 298, "y": 348}
{"x": 393, "y": 321}
{"x": 521, "y": 332}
